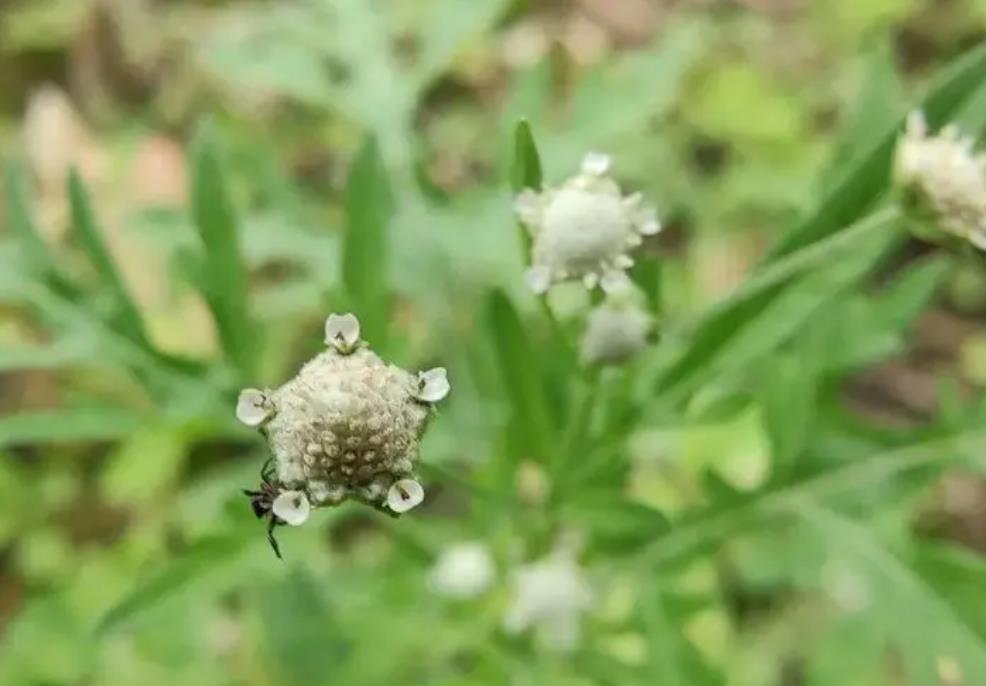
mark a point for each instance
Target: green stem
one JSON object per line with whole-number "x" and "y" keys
{"x": 577, "y": 432}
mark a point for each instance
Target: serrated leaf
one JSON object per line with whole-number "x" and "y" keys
{"x": 225, "y": 280}
{"x": 67, "y": 426}
{"x": 197, "y": 566}
{"x": 365, "y": 254}
{"x": 126, "y": 317}
{"x": 521, "y": 376}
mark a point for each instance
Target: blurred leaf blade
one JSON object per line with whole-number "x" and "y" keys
{"x": 224, "y": 273}
{"x": 67, "y": 425}
{"x": 525, "y": 170}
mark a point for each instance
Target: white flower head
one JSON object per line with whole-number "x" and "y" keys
{"x": 253, "y": 407}
{"x": 405, "y": 495}
{"x": 616, "y": 331}
{"x": 342, "y": 332}
{"x": 462, "y": 571}
{"x": 292, "y": 507}
{"x": 584, "y": 229}
{"x": 943, "y": 174}
{"x": 433, "y": 385}
{"x": 550, "y": 596}
{"x": 348, "y": 425}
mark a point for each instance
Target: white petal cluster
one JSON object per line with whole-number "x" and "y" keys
{"x": 615, "y": 332}
{"x": 347, "y": 426}
{"x": 584, "y": 229}
{"x": 943, "y": 173}
{"x": 550, "y": 596}
{"x": 463, "y": 571}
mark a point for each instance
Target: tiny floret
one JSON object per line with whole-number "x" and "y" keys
{"x": 292, "y": 507}
{"x": 463, "y": 571}
{"x": 433, "y": 385}
{"x": 405, "y": 495}
{"x": 342, "y": 332}
{"x": 942, "y": 175}
{"x": 585, "y": 229}
{"x": 253, "y": 407}
{"x": 550, "y": 596}
{"x": 346, "y": 427}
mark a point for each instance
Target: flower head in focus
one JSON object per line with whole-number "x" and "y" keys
{"x": 942, "y": 175}
{"x": 584, "y": 229}
{"x": 462, "y": 571}
{"x": 616, "y": 330}
{"x": 550, "y": 596}
{"x": 347, "y": 426}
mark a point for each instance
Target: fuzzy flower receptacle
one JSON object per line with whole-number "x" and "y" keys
{"x": 347, "y": 426}
{"x": 944, "y": 179}
{"x": 584, "y": 229}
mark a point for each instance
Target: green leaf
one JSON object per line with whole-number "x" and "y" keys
{"x": 615, "y": 523}
{"x": 67, "y": 426}
{"x": 198, "y": 566}
{"x": 923, "y": 624}
{"x": 365, "y": 254}
{"x": 521, "y": 376}
{"x": 863, "y": 182}
{"x": 127, "y": 318}
{"x": 59, "y": 355}
{"x": 715, "y": 334}
{"x": 302, "y": 637}
{"x": 959, "y": 576}
{"x": 34, "y": 250}
{"x": 525, "y": 171}
{"x": 224, "y": 274}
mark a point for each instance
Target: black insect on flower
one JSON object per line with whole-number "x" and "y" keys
{"x": 277, "y": 505}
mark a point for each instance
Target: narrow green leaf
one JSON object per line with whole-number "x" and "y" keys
{"x": 615, "y": 523}
{"x": 959, "y": 576}
{"x": 521, "y": 376}
{"x": 724, "y": 322}
{"x": 197, "y": 566}
{"x": 127, "y": 317}
{"x": 55, "y": 356}
{"x": 224, "y": 272}
{"x": 302, "y": 636}
{"x": 67, "y": 426}
{"x": 33, "y": 248}
{"x": 365, "y": 255}
{"x": 525, "y": 171}
{"x": 863, "y": 182}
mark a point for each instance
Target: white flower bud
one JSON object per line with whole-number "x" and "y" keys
{"x": 291, "y": 507}
{"x": 943, "y": 175}
{"x": 463, "y": 571}
{"x": 348, "y": 425}
{"x": 615, "y": 332}
{"x": 405, "y": 495}
{"x": 550, "y": 596}
{"x": 253, "y": 407}
{"x": 584, "y": 229}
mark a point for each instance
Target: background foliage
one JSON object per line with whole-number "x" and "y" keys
{"x": 785, "y": 489}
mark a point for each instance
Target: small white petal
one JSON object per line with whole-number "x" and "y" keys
{"x": 614, "y": 282}
{"x": 252, "y": 407}
{"x": 590, "y": 280}
{"x": 342, "y": 332}
{"x": 917, "y": 125}
{"x": 292, "y": 507}
{"x": 433, "y": 385}
{"x": 538, "y": 279}
{"x": 633, "y": 201}
{"x": 634, "y": 240}
{"x": 405, "y": 495}
{"x": 978, "y": 239}
{"x": 596, "y": 163}
{"x": 623, "y": 261}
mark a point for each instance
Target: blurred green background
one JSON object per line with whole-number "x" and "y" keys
{"x": 797, "y": 499}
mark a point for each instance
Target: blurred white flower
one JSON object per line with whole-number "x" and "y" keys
{"x": 292, "y": 507}
{"x": 550, "y": 596}
{"x": 615, "y": 332}
{"x": 944, "y": 175}
{"x": 462, "y": 571}
{"x": 584, "y": 229}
